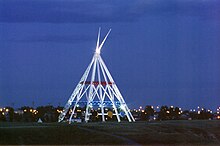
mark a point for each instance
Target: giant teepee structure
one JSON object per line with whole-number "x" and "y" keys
{"x": 97, "y": 86}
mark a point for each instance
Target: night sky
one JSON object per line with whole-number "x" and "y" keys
{"x": 159, "y": 52}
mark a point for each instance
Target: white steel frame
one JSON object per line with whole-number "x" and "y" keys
{"x": 100, "y": 89}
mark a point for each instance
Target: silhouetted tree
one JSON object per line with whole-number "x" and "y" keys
{"x": 94, "y": 116}
{"x": 10, "y": 113}
{"x": 149, "y": 111}
{"x": 2, "y": 116}
{"x": 163, "y": 114}
{"x": 204, "y": 114}
{"x": 59, "y": 108}
{"x": 27, "y": 116}
{"x": 174, "y": 113}
{"x": 47, "y": 113}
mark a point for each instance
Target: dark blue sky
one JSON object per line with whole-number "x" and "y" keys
{"x": 159, "y": 52}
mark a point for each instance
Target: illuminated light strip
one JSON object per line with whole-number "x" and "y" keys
{"x": 96, "y": 83}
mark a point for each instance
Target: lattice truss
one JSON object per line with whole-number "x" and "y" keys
{"x": 97, "y": 85}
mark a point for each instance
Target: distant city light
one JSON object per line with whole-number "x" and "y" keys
{"x": 138, "y": 113}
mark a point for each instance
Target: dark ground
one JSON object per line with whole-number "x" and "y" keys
{"x": 112, "y": 133}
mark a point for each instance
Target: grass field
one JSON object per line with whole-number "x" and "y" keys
{"x": 112, "y": 133}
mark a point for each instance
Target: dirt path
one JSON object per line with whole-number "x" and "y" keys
{"x": 126, "y": 140}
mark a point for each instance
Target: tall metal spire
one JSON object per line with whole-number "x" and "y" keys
{"x": 98, "y": 49}
{"x": 97, "y": 44}
{"x": 97, "y": 91}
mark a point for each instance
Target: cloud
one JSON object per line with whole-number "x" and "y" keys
{"x": 65, "y": 11}
{"x": 98, "y": 11}
{"x": 54, "y": 39}
{"x": 196, "y": 8}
